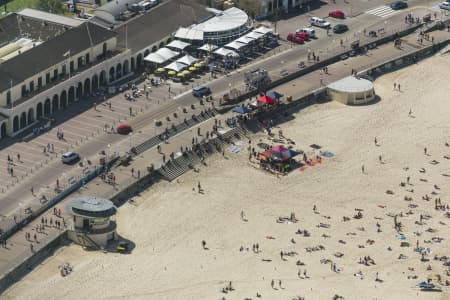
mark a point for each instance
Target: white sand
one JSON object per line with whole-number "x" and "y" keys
{"x": 170, "y": 220}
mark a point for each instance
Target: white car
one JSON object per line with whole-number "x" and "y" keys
{"x": 70, "y": 157}
{"x": 444, "y": 5}
{"x": 319, "y": 22}
{"x": 311, "y": 32}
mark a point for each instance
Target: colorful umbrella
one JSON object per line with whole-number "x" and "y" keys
{"x": 172, "y": 73}
{"x": 160, "y": 70}
{"x": 266, "y": 99}
{"x": 279, "y": 148}
{"x": 192, "y": 69}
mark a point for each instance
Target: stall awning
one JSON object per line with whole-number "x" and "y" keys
{"x": 226, "y": 52}
{"x": 179, "y": 45}
{"x": 235, "y": 45}
{"x": 176, "y": 66}
{"x": 189, "y": 34}
{"x": 244, "y": 40}
{"x": 208, "y": 47}
{"x": 263, "y": 30}
{"x": 266, "y": 99}
{"x": 161, "y": 56}
{"x": 254, "y": 35}
{"x": 188, "y": 60}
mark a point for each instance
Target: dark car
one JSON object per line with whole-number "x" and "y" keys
{"x": 399, "y": 5}
{"x": 340, "y": 28}
{"x": 124, "y": 129}
{"x": 200, "y": 91}
{"x": 338, "y": 14}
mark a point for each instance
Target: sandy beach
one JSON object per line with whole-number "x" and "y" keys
{"x": 241, "y": 204}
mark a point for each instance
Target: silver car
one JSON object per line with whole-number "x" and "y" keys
{"x": 70, "y": 157}
{"x": 444, "y": 5}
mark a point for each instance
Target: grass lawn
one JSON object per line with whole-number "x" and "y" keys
{"x": 17, "y": 5}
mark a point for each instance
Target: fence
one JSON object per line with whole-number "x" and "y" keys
{"x": 56, "y": 199}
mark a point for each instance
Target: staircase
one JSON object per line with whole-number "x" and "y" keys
{"x": 87, "y": 242}
{"x": 180, "y": 165}
{"x": 152, "y": 142}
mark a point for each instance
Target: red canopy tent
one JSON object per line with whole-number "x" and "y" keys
{"x": 266, "y": 99}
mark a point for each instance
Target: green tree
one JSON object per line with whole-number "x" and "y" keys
{"x": 252, "y": 7}
{"x": 52, "y": 6}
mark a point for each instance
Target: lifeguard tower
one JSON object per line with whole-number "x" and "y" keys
{"x": 93, "y": 221}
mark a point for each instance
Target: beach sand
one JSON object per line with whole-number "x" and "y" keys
{"x": 169, "y": 221}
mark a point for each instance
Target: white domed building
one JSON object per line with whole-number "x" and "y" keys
{"x": 224, "y": 27}
{"x": 351, "y": 90}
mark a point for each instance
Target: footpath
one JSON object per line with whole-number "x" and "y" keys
{"x": 18, "y": 250}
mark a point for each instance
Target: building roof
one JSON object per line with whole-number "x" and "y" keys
{"x": 116, "y": 7}
{"x": 244, "y": 40}
{"x": 45, "y": 16}
{"x": 254, "y": 35}
{"x": 351, "y": 84}
{"x": 14, "y": 26}
{"x": 50, "y": 53}
{"x": 224, "y": 20}
{"x": 160, "y": 22}
{"x": 88, "y": 206}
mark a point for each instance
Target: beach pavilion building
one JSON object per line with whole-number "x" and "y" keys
{"x": 93, "y": 221}
{"x": 351, "y": 90}
{"x": 219, "y": 30}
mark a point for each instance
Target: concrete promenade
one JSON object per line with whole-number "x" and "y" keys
{"x": 84, "y": 132}
{"x": 18, "y": 248}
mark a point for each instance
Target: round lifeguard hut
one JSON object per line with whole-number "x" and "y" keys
{"x": 93, "y": 221}
{"x": 351, "y": 90}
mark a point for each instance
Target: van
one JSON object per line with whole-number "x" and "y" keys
{"x": 319, "y": 22}
{"x": 311, "y": 32}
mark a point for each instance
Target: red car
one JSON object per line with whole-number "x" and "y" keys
{"x": 338, "y": 14}
{"x": 303, "y": 35}
{"x": 295, "y": 39}
{"x": 124, "y": 129}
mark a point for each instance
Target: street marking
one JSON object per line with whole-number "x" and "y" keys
{"x": 382, "y": 11}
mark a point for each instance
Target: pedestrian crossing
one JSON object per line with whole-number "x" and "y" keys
{"x": 382, "y": 11}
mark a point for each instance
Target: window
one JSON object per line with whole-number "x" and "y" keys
{"x": 24, "y": 90}
{"x": 31, "y": 86}
{"x": 55, "y": 74}
{"x": 63, "y": 71}
{"x": 39, "y": 82}
{"x": 80, "y": 62}
{"x": 86, "y": 58}
{"x": 72, "y": 67}
{"x": 47, "y": 78}
{"x": 8, "y": 98}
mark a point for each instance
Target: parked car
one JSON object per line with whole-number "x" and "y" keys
{"x": 70, "y": 157}
{"x": 444, "y": 5}
{"x": 310, "y": 31}
{"x": 340, "y": 28}
{"x": 319, "y": 22}
{"x": 302, "y": 35}
{"x": 200, "y": 91}
{"x": 338, "y": 14}
{"x": 399, "y": 5}
{"x": 295, "y": 39}
{"x": 124, "y": 129}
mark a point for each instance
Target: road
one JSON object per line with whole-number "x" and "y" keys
{"x": 44, "y": 179}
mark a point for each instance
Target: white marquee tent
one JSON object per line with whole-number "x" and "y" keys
{"x": 161, "y": 56}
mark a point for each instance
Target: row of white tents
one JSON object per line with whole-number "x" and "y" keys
{"x": 174, "y": 49}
